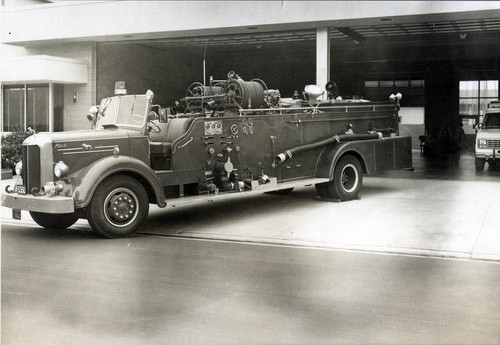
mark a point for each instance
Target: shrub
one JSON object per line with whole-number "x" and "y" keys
{"x": 11, "y": 147}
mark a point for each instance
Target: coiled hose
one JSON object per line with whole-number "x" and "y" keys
{"x": 280, "y": 158}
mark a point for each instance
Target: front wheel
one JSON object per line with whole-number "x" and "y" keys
{"x": 480, "y": 164}
{"x": 118, "y": 207}
{"x": 347, "y": 180}
{"x": 56, "y": 221}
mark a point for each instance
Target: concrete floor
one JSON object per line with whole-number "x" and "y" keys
{"x": 442, "y": 208}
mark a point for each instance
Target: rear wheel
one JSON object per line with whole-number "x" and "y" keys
{"x": 480, "y": 164}
{"x": 118, "y": 207}
{"x": 347, "y": 180}
{"x": 54, "y": 221}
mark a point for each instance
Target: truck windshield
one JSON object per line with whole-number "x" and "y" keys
{"x": 123, "y": 111}
{"x": 492, "y": 120}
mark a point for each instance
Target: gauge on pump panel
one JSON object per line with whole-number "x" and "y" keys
{"x": 234, "y": 129}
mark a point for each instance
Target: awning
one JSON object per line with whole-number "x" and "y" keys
{"x": 43, "y": 69}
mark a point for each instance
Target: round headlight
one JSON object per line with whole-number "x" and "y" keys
{"x": 19, "y": 168}
{"x": 60, "y": 169}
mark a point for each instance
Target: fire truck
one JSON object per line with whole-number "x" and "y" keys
{"x": 223, "y": 140}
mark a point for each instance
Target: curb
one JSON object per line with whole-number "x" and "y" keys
{"x": 382, "y": 250}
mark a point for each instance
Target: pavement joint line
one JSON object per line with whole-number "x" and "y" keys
{"x": 481, "y": 227}
{"x": 464, "y": 257}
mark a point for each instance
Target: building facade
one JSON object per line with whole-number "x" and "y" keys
{"x": 61, "y": 57}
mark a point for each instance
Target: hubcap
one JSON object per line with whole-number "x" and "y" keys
{"x": 349, "y": 178}
{"x": 121, "y": 207}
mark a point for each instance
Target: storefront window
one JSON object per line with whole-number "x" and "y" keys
{"x": 13, "y": 104}
{"x": 26, "y": 106}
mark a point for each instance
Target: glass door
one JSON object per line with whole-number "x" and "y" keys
{"x": 37, "y": 108}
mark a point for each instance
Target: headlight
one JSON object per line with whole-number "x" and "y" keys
{"x": 60, "y": 169}
{"x": 481, "y": 143}
{"x": 19, "y": 168}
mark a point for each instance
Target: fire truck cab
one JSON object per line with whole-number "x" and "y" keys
{"x": 224, "y": 140}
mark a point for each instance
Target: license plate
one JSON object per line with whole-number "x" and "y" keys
{"x": 21, "y": 189}
{"x": 16, "y": 214}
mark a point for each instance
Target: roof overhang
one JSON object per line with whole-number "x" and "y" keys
{"x": 112, "y": 21}
{"x": 43, "y": 69}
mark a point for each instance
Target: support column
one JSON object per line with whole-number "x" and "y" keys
{"x": 51, "y": 107}
{"x": 322, "y": 56}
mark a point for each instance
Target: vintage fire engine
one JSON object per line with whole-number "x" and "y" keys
{"x": 223, "y": 140}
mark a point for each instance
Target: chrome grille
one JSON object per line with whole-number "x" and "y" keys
{"x": 493, "y": 144}
{"x": 31, "y": 167}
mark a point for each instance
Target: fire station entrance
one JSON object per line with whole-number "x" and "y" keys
{"x": 446, "y": 70}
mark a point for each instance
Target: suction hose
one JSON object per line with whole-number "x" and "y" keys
{"x": 280, "y": 158}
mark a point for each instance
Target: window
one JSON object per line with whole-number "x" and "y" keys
{"x": 13, "y": 108}
{"x": 412, "y": 89}
{"x": 475, "y": 96}
{"x": 26, "y": 106}
{"x": 37, "y": 107}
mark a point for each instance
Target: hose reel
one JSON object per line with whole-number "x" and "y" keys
{"x": 244, "y": 94}
{"x": 233, "y": 92}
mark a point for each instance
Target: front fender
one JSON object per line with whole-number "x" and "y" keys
{"x": 86, "y": 180}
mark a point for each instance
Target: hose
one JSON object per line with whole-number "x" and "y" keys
{"x": 280, "y": 158}
{"x": 246, "y": 94}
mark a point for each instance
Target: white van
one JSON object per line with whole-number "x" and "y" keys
{"x": 487, "y": 148}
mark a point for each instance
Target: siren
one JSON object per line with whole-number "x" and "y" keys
{"x": 120, "y": 88}
{"x": 332, "y": 90}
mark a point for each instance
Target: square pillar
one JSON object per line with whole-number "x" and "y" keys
{"x": 322, "y": 56}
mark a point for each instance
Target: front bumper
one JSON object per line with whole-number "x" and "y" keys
{"x": 57, "y": 204}
{"x": 488, "y": 153}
